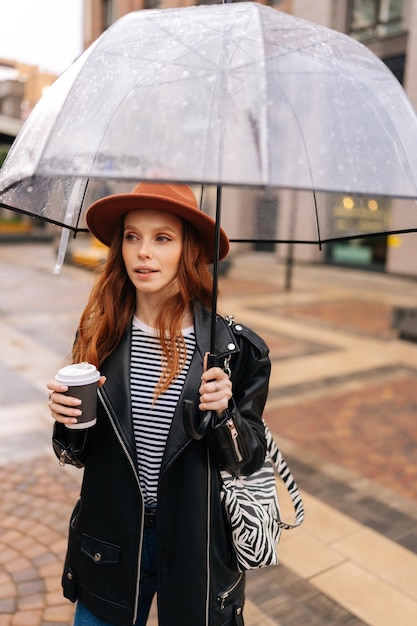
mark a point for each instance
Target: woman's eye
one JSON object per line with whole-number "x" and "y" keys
{"x": 130, "y": 237}
{"x": 163, "y": 238}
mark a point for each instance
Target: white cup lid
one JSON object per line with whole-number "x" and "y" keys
{"x": 78, "y": 374}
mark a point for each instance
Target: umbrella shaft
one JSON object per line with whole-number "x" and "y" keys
{"x": 215, "y": 270}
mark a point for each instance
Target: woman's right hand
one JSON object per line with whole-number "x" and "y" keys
{"x": 65, "y": 409}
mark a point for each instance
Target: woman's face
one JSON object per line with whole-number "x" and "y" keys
{"x": 151, "y": 250}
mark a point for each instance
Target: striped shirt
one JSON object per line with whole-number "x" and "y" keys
{"x": 152, "y": 420}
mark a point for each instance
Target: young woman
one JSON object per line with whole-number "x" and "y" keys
{"x": 149, "y": 518}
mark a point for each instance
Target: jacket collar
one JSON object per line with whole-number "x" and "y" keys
{"x": 225, "y": 342}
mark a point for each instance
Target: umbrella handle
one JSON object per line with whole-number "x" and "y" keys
{"x": 197, "y": 431}
{"x": 193, "y": 430}
{"x": 212, "y": 360}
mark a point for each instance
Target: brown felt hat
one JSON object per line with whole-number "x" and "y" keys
{"x": 103, "y": 215}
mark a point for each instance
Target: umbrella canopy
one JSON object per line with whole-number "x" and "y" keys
{"x": 238, "y": 95}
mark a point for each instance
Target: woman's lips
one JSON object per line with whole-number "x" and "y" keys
{"x": 144, "y": 270}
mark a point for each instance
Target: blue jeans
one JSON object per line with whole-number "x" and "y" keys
{"x": 147, "y": 588}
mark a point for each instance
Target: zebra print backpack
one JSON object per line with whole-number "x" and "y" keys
{"x": 252, "y": 508}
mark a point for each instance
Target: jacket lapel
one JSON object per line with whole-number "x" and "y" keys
{"x": 225, "y": 345}
{"x": 116, "y": 390}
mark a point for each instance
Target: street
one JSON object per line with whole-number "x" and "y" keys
{"x": 342, "y": 406}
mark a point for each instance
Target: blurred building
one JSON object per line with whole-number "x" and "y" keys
{"x": 99, "y": 14}
{"x": 21, "y": 86}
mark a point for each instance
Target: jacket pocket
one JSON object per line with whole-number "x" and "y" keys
{"x": 99, "y": 551}
{"x": 74, "y": 516}
{"x": 231, "y": 592}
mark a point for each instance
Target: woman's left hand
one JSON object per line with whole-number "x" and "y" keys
{"x": 215, "y": 390}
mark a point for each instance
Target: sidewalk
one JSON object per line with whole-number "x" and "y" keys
{"x": 342, "y": 405}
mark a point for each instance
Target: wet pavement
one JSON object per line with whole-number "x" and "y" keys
{"x": 342, "y": 406}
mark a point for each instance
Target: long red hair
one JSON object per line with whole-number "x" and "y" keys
{"x": 112, "y": 303}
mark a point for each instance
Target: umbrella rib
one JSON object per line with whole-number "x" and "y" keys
{"x": 81, "y": 204}
{"x": 319, "y": 241}
{"x": 384, "y": 233}
{"x": 50, "y": 220}
{"x": 308, "y": 163}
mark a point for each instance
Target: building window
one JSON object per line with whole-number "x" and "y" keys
{"x": 360, "y": 214}
{"x": 375, "y": 19}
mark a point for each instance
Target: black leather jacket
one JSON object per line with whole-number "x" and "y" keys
{"x": 199, "y": 582}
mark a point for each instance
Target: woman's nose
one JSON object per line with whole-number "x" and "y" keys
{"x": 144, "y": 249}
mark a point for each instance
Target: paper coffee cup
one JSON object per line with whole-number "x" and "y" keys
{"x": 81, "y": 380}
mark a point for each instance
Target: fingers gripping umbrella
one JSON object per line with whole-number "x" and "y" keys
{"x": 237, "y": 96}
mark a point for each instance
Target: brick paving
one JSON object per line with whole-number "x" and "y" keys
{"x": 371, "y": 431}
{"x": 371, "y": 318}
{"x": 36, "y": 501}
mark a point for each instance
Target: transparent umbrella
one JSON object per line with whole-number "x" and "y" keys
{"x": 235, "y": 94}
{"x": 240, "y": 97}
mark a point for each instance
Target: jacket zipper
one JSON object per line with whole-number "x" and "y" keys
{"x": 222, "y": 597}
{"x": 62, "y": 458}
{"x": 234, "y": 436}
{"x": 126, "y": 451}
{"x": 208, "y": 538}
